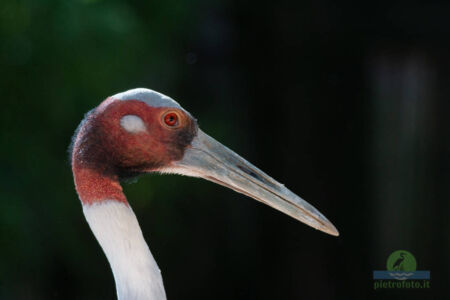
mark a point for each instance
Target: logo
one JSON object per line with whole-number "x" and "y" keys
{"x": 401, "y": 272}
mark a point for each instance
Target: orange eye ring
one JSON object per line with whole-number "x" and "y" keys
{"x": 171, "y": 119}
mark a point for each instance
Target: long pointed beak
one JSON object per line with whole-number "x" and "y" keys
{"x": 208, "y": 159}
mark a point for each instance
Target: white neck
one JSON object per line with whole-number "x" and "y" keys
{"x": 116, "y": 228}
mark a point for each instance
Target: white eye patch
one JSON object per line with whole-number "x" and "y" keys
{"x": 132, "y": 124}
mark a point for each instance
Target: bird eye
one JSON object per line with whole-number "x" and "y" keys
{"x": 171, "y": 119}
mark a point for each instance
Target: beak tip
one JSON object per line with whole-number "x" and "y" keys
{"x": 334, "y": 233}
{"x": 330, "y": 229}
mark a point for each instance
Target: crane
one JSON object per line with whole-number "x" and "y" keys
{"x": 398, "y": 264}
{"x": 143, "y": 131}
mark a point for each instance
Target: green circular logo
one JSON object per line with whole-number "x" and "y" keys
{"x": 401, "y": 260}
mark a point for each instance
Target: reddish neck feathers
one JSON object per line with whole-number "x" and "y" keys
{"x": 92, "y": 182}
{"x": 93, "y": 187}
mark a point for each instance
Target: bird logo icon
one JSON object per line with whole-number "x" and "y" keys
{"x": 402, "y": 264}
{"x": 401, "y": 272}
{"x": 401, "y": 260}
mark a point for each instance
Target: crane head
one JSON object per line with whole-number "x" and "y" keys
{"x": 135, "y": 132}
{"x": 142, "y": 131}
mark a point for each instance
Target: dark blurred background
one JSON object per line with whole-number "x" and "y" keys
{"x": 346, "y": 103}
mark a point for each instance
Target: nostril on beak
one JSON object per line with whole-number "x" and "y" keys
{"x": 256, "y": 176}
{"x": 249, "y": 172}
